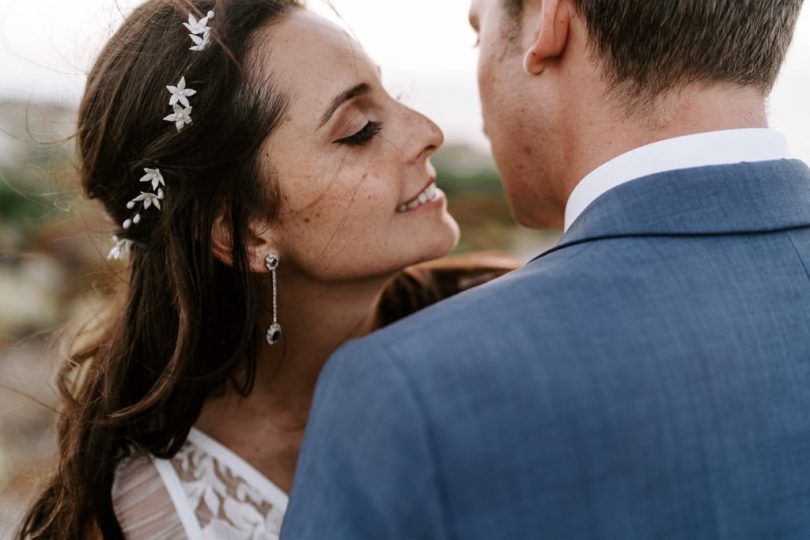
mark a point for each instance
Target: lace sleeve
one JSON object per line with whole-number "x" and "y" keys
{"x": 142, "y": 503}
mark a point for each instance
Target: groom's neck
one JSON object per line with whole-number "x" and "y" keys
{"x": 613, "y": 131}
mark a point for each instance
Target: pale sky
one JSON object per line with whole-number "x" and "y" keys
{"x": 424, "y": 47}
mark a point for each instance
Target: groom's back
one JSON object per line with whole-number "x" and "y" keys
{"x": 647, "y": 378}
{"x": 657, "y": 388}
{"x": 634, "y": 383}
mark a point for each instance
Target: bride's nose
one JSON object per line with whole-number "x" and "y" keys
{"x": 429, "y": 136}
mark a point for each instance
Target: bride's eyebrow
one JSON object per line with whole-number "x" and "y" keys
{"x": 351, "y": 93}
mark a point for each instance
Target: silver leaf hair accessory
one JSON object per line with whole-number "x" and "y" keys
{"x": 146, "y": 200}
{"x": 181, "y": 117}
{"x": 121, "y": 249}
{"x": 154, "y": 177}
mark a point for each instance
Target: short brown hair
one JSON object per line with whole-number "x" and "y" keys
{"x": 650, "y": 46}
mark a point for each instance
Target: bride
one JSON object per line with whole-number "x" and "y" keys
{"x": 269, "y": 194}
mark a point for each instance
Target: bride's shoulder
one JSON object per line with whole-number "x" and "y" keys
{"x": 142, "y": 503}
{"x": 204, "y": 490}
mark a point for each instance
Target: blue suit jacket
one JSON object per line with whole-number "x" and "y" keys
{"x": 647, "y": 378}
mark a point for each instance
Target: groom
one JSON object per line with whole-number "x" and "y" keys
{"x": 649, "y": 377}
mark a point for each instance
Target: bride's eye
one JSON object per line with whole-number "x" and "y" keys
{"x": 364, "y": 136}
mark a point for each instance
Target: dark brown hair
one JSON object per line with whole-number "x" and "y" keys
{"x": 420, "y": 286}
{"x": 649, "y": 46}
{"x": 186, "y": 325}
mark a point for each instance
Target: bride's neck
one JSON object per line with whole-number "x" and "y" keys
{"x": 266, "y": 427}
{"x": 316, "y": 318}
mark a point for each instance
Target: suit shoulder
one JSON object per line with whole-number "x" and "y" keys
{"x": 557, "y": 295}
{"x": 539, "y": 288}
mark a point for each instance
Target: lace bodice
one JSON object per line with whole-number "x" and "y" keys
{"x": 204, "y": 492}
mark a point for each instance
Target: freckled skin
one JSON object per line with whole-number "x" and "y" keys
{"x": 337, "y": 232}
{"x": 352, "y": 191}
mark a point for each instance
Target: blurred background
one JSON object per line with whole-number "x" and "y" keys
{"x": 53, "y": 243}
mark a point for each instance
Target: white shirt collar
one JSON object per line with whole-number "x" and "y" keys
{"x": 698, "y": 150}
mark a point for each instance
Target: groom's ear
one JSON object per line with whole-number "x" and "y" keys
{"x": 549, "y": 22}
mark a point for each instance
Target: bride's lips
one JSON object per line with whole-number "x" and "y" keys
{"x": 428, "y": 194}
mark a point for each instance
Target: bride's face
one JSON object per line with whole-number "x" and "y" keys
{"x": 351, "y": 162}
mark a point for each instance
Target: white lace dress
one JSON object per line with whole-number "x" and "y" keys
{"x": 205, "y": 492}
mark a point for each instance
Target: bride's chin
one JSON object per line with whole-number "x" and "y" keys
{"x": 445, "y": 240}
{"x": 454, "y": 234}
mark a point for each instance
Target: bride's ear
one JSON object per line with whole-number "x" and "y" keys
{"x": 258, "y": 244}
{"x": 550, "y": 25}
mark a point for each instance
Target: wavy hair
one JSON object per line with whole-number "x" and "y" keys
{"x": 185, "y": 324}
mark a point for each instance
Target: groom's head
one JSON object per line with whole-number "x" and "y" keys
{"x": 553, "y": 71}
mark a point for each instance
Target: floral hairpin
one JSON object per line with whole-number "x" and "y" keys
{"x": 199, "y": 28}
{"x": 120, "y": 249}
{"x": 200, "y": 34}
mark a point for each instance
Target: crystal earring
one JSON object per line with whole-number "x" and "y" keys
{"x": 274, "y": 331}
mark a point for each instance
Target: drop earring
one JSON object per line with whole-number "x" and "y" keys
{"x": 274, "y": 331}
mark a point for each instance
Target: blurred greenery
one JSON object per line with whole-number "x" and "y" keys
{"x": 35, "y": 165}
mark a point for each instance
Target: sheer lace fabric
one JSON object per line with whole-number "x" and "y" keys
{"x": 142, "y": 503}
{"x": 204, "y": 492}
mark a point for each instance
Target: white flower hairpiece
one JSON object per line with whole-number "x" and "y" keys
{"x": 200, "y": 43}
{"x": 153, "y": 176}
{"x": 198, "y": 28}
{"x": 147, "y": 200}
{"x": 180, "y": 93}
{"x": 121, "y": 248}
{"x": 181, "y": 117}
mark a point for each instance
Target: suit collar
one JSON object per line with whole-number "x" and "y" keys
{"x": 725, "y": 199}
{"x": 685, "y": 152}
